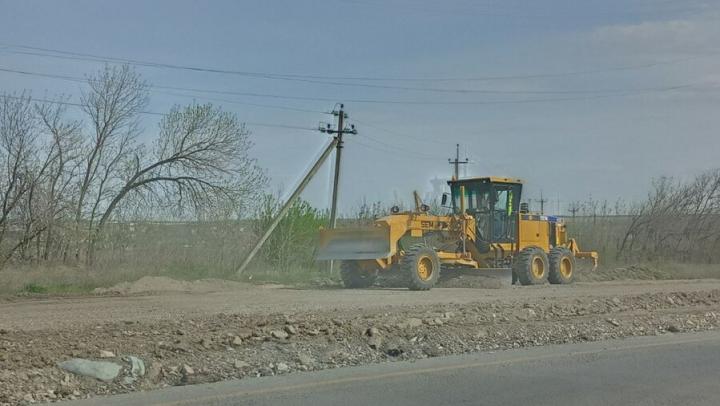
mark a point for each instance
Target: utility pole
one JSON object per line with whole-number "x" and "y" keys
{"x": 558, "y": 205}
{"x": 574, "y": 208}
{"x": 336, "y": 144}
{"x": 338, "y": 132}
{"x": 457, "y": 162}
{"x": 542, "y": 203}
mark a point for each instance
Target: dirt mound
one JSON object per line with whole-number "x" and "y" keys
{"x": 159, "y": 284}
{"x": 449, "y": 279}
{"x": 471, "y": 281}
{"x": 626, "y": 273}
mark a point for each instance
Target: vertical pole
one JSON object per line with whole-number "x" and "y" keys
{"x": 457, "y": 161}
{"x": 338, "y": 157}
{"x": 558, "y": 205}
{"x": 336, "y": 179}
{"x": 464, "y": 221}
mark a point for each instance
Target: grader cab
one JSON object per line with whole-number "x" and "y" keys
{"x": 488, "y": 230}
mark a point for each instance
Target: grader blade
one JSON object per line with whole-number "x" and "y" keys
{"x": 485, "y": 278}
{"x": 354, "y": 244}
{"x": 494, "y": 278}
{"x": 502, "y": 276}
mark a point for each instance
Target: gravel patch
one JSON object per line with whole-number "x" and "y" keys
{"x": 182, "y": 351}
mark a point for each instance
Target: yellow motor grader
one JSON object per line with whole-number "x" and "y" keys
{"x": 489, "y": 230}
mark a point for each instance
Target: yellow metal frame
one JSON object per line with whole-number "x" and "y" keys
{"x": 572, "y": 245}
{"x": 533, "y": 230}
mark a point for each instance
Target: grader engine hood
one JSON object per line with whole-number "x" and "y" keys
{"x": 354, "y": 244}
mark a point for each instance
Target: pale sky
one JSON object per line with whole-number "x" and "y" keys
{"x": 578, "y": 98}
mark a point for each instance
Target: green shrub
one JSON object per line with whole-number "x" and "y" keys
{"x": 292, "y": 244}
{"x": 34, "y": 288}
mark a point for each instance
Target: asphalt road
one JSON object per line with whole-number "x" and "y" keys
{"x": 662, "y": 370}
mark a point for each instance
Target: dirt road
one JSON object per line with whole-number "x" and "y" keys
{"x": 214, "y": 331}
{"x": 35, "y": 314}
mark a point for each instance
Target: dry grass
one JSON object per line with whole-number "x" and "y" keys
{"x": 200, "y": 250}
{"x": 67, "y": 280}
{"x": 599, "y": 234}
{"x": 52, "y": 279}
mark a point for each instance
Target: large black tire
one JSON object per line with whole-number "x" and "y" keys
{"x": 354, "y": 277}
{"x": 530, "y": 266}
{"x": 562, "y": 266}
{"x": 421, "y": 266}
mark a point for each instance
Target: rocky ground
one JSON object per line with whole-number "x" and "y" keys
{"x": 47, "y": 362}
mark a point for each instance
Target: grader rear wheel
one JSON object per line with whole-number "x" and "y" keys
{"x": 354, "y": 276}
{"x": 421, "y": 265}
{"x": 562, "y": 266}
{"x": 530, "y": 266}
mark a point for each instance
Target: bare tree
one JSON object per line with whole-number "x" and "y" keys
{"x": 62, "y": 181}
{"x": 679, "y": 221}
{"x": 200, "y": 161}
{"x": 63, "y": 167}
{"x": 113, "y": 103}
{"x": 36, "y": 172}
{"x": 17, "y": 146}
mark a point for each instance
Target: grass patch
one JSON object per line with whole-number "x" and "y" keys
{"x": 55, "y": 289}
{"x": 65, "y": 280}
{"x": 33, "y": 288}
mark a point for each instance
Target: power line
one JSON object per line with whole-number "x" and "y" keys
{"x": 459, "y": 103}
{"x": 374, "y": 148}
{"x": 402, "y": 148}
{"x": 292, "y": 127}
{"x": 66, "y": 103}
{"x": 391, "y": 149}
{"x": 390, "y": 146}
{"x": 490, "y": 12}
{"x": 269, "y": 106}
{"x": 183, "y": 89}
{"x": 365, "y": 123}
{"x": 363, "y": 85}
{"x": 61, "y": 54}
{"x": 408, "y": 102}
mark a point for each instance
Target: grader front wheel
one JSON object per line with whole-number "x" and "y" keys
{"x": 421, "y": 265}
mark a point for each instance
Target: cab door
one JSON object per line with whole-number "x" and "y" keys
{"x": 504, "y": 213}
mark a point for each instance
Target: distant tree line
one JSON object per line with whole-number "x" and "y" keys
{"x": 678, "y": 221}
